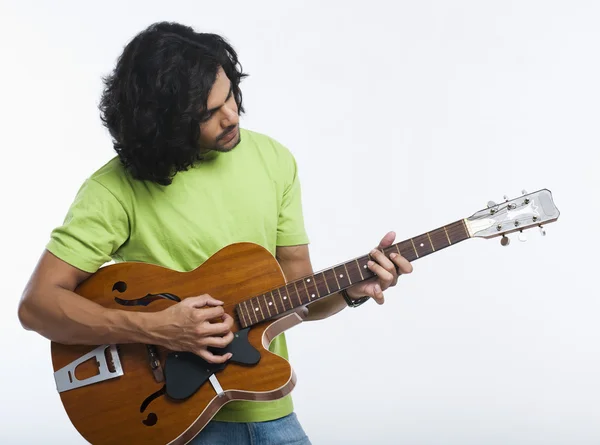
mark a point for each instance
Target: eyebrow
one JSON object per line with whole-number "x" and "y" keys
{"x": 212, "y": 110}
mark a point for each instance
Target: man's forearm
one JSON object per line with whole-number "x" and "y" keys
{"x": 65, "y": 317}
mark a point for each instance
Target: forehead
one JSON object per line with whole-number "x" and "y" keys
{"x": 220, "y": 90}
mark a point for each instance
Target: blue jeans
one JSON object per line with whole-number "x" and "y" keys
{"x": 284, "y": 431}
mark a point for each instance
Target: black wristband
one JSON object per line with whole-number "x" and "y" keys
{"x": 351, "y": 302}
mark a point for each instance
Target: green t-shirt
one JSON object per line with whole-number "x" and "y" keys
{"x": 251, "y": 193}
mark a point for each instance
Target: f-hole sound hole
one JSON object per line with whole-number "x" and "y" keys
{"x": 120, "y": 286}
{"x": 150, "y": 420}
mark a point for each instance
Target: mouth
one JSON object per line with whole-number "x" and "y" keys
{"x": 228, "y": 137}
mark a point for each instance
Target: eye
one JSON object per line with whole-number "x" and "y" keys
{"x": 207, "y": 117}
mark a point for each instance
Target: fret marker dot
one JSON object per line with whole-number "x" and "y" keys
{"x": 312, "y": 296}
{"x": 308, "y": 280}
{"x": 270, "y": 303}
{"x": 422, "y": 244}
{"x": 256, "y": 309}
{"x": 365, "y": 266}
{"x": 341, "y": 275}
{"x": 284, "y": 297}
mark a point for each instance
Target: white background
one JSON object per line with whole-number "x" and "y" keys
{"x": 403, "y": 116}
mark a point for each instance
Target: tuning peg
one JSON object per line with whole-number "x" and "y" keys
{"x": 522, "y": 237}
{"x": 543, "y": 231}
{"x": 505, "y": 198}
{"x": 524, "y": 192}
{"x": 505, "y": 241}
{"x": 491, "y": 204}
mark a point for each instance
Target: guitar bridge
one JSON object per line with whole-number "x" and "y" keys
{"x": 65, "y": 377}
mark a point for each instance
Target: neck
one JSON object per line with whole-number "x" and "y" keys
{"x": 330, "y": 281}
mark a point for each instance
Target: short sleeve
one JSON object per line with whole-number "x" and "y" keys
{"x": 95, "y": 226}
{"x": 290, "y": 224}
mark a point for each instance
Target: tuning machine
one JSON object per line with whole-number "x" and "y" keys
{"x": 505, "y": 240}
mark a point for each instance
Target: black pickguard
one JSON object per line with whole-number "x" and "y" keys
{"x": 186, "y": 372}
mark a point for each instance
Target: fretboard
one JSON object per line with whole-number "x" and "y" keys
{"x": 330, "y": 281}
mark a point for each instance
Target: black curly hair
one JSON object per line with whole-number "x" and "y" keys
{"x": 156, "y": 97}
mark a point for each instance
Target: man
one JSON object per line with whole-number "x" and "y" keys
{"x": 187, "y": 181}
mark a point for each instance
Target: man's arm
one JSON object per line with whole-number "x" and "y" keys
{"x": 295, "y": 263}
{"x": 50, "y": 307}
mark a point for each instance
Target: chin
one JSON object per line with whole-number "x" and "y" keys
{"x": 231, "y": 145}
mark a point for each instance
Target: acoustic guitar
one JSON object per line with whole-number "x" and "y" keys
{"x": 144, "y": 394}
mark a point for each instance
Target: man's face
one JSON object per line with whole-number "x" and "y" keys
{"x": 220, "y": 131}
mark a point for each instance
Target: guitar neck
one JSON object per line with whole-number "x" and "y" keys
{"x": 330, "y": 281}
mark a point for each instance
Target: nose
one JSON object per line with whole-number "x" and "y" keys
{"x": 230, "y": 116}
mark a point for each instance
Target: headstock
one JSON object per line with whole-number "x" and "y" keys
{"x": 515, "y": 215}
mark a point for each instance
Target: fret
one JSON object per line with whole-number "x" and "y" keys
{"x": 465, "y": 227}
{"x": 458, "y": 231}
{"x": 341, "y": 276}
{"x": 414, "y": 247}
{"x": 292, "y": 294}
{"x": 354, "y": 272}
{"x": 422, "y": 245}
{"x": 407, "y": 250}
{"x": 311, "y": 289}
{"x": 250, "y": 311}
{"x": 267, "y": 303}
{"x": 241, "y": 315}
{"x": 447, "y": 236}
{"x": 362, "y": 262}
{"x": 440, "y": 238}
{"x": 256, "y": 302}
{"x": 331, "y": 281}
{"x": 430, "y": 242}
{"x": 285, "y": 298}
{"x": 335, "y": 275}
{"x": 281, "y": 299}
{"x": 274, "y": 300}
{"x": 263, "y": 308}
{"x": 297, "y": 294}
{"x": 359, "y": 269}
{"x": 301, "y": 294}
{"x": 306, "y": 290}
{"x": 321, "y": 284}
{"x": 347, "y": 274}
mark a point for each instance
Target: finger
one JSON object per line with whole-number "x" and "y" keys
{"x": 404, "y": 266}
{"x": 203, "y": 300}
{"x": 210, "y": 313}
{"x": 218, "y": 342}
{"x": 387, "y": 240}
{"x": 219, "y": 328}
{"x": 385, "y": 262}
{"x": 377, "y": 294}
{"x": 385, "y": 278}
{"x": 213, "y": 358}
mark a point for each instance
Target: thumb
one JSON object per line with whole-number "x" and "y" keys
{"x": 387, "y": 240}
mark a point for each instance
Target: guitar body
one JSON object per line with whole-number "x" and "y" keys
{"x": 131, "y": 408}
